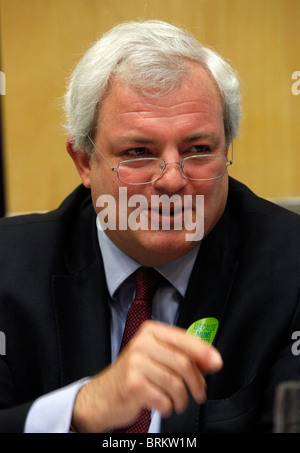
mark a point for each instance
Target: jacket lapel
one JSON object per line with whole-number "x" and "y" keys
{"x": 81, "y": 303}
{"x": 83, "y": 323}
{"x": 207, "y": 296}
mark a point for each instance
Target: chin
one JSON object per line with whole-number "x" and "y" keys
{"x": 164, "y": 247}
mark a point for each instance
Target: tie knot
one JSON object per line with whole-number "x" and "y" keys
{"x": 147, "y": 280}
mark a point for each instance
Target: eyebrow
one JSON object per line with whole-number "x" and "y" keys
{"x": 125, "y": 140}
{"x": 210, "y": 135}
{"x": 134, "y": 139}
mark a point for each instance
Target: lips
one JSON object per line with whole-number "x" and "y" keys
{"x": 166, "y": 217}
{"x": 166, "y": 210}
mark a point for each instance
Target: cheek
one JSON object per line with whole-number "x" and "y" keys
{"x": 103, "y": 182}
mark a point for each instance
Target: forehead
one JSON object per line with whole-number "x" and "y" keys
{"x": 196, "y": 99}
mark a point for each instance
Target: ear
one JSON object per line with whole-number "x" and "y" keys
{"x": 229, "y": 154}
{"x": 82, "y": 162}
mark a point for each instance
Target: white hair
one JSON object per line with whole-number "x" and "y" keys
{"x": 152, "y": 57}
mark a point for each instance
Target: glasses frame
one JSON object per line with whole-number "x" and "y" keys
{"x": 164, "y": 165}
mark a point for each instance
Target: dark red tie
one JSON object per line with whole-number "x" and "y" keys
{"x": 140, "y": 310}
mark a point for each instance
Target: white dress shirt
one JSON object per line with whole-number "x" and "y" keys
{"x": 52, "y": 413}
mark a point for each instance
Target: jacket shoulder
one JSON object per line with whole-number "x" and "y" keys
{"x": 245, "y": 202}
{"x": 266, "y": 231}
{"x": 69, "y": 208}
{"x": 33, "y": 236}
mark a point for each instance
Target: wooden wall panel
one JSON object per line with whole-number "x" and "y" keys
{"x": 42, "y": 40}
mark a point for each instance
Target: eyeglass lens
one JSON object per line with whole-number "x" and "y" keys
{"x": 141, "y": 171}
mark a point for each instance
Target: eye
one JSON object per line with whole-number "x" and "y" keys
{"x": 197, "y": 149}
{"x": 135, "y": 152}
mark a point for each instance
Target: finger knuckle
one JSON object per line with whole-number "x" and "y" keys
{"x": 185, "y": 366}
{"x": 171, "y": 382}
{"x": 164, "y": 406}
{"x": 146, "y": 326}
{"x": 134, "y": 385}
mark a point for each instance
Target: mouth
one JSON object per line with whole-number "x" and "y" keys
{"x": 166, "y": 217}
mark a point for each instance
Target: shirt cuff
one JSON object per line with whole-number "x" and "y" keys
{"x": 52, "y": 413}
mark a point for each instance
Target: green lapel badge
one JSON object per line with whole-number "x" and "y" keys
{"x": 205, "y": 329}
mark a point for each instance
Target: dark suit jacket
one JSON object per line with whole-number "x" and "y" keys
{"x": 55, "y": 315}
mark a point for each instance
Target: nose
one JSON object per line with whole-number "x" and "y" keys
{"x": 172, "y": 180}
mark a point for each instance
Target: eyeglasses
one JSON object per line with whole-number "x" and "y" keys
{"x": 145, "y": 170}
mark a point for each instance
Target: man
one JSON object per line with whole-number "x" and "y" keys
{"x": 152, "y": 111}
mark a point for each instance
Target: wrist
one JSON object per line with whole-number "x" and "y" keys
{"x": 87, "y": 417}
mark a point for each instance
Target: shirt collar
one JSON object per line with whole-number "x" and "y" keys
{"x": 118, "y": 266}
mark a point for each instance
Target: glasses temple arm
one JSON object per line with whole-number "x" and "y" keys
{"x": 112, "y": 168}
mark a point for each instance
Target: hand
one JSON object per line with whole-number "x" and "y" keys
{"x": 154, "y": 370}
